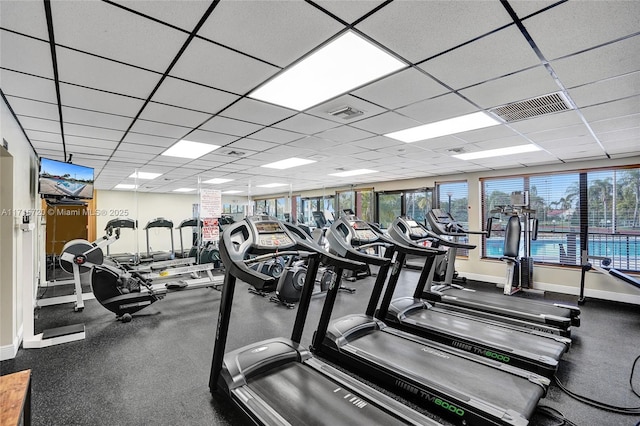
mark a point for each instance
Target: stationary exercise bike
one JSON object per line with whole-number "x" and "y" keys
{"x": 291, "y": 280}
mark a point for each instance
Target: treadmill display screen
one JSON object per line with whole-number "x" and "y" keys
{"x": 359, "y": 224}
{"x": 412, "y": 223}
{"x": 266, "y": 227}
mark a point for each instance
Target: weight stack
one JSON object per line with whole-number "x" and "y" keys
{"x": 526, "y": 272}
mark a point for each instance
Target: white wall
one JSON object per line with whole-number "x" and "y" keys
{"x": 23, "y": 267}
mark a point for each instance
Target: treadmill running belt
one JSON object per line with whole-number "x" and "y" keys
{"x": 508, "y": 303}
{"x": 439, "y": 370}
{"x": 305, "y": 397}
{"x": 500, "y": 337}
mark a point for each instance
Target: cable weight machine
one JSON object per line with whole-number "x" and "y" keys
{"x": 519, "y": 274}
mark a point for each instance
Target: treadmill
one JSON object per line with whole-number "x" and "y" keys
{"x": 159, "y": 222}
{"x": 447, "y": 381}
{"x": 120, "y": 223}
{"x": 520, "y": 347}
{"x": 556, "y": 318}
{"x": 277, "y": 381}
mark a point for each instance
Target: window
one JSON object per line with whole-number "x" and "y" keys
{"x": 346, "y": 200}
{"x": 453, "y": 197}
{"x": 418, "y": 203}
{"x": 611, "y": 222}
{"x": 365, "y": 205}
{"x": 389, "y": 207}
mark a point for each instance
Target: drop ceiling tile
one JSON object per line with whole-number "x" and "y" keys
{"x": 257, "y": 112}
{"x": 386, "y": 123}
{"x": 24, "y": 54}
{"x": 515, "y": 87}
{"x": 280, "y": 33}
{"x": 99, "y": 101}
{"x": 145, "y": 149}
{"x": 488, "y": 133}
{"x": 44, "y": 125}
{"x": 377, "y": 142}
{"x": 230, "y": 126}
{"x": 605, "y": 62}
{"x": 114, "y": 33}
{"x": 526, "y": 8}
{"x": 189, "y": 95}
{"x": 159, "y": 129}
{"x": 79, "y": 150}
{"x": 91, "y": 142}
{"x": 32, "y": 108}
{"x": 35, "y": 135}
{"x": 142, "y": 139}
{"x": 25, "y": 17}
{"x": 212, "y": 138}
{"x": 606, "y": 90}
{"x": 622, "y": 148}
{"x": 304, "y": 123}
{"x": 92, "y": 132}
{"x": 400, "y": 26}
{"x": 324, "y": 110}
{"x": 590, "y": 25}
{"x": 440, "y": 108}
{"x": 173, "y": 115}
{"x": 622, "y": 135}
{"x": 270, "y": 134}
{"x": 251, "y": 144}
{"x": 86, "y": 70}
{"x": 315, "y": 143}
{"x": 22, "y": 85}
{"x": 184, "y": 15}
{"x": 349, "y": 11}
{"x": 624, "y": 122}
{"x": 221, "y": 68}
{"x": 547, "y": 122}
{"x": 612, "y": 109}
{"x": 401, "y": 89}
{"x": 344, "y": 134}
{"x": 97, "y": 119}
{"x": 481, "y": 61}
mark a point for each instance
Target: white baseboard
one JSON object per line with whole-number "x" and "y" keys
{"x": 10, "y": 351}
{"x": 565, "y": 289}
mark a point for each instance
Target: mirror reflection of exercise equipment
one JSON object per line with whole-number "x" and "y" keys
{"x": 519, "y": 268}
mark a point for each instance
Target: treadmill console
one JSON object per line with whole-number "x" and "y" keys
{"x": 269, "y": 233}
{"x": 362, "y": 232}
{"x": 416, "y": 232}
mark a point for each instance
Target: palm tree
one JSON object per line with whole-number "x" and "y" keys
{"x": 631, "y": 178}
{"x": 601, "y": 190}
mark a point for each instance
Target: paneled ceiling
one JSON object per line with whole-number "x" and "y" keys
{"x": 115, "y": 83}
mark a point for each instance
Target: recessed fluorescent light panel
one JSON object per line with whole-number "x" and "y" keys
{"x": 477, "y": 120}
{"x": 232, "y": 191}
{"x": 189, "y": 149}
{"x": 354, "y": 172}
{"x": 497, "y": 152}
{"x": 217, "y": 181}
{"x": 338, "y": 67}
{"x": 145, "y": 175}
{"x": 184, "y": 190}
{"x": 125, "y": 186}
{"x": 288, "y": 163}
{"x": 272, "y": 185}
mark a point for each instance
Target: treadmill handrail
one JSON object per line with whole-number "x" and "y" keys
{"x": 234, "y": 261}
{"x": 327, "y": 258}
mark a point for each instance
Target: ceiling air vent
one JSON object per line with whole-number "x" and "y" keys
{"x": 235, "y": 153}
{"x": 346, "y": 113}
{"x": 547, "y": 104}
